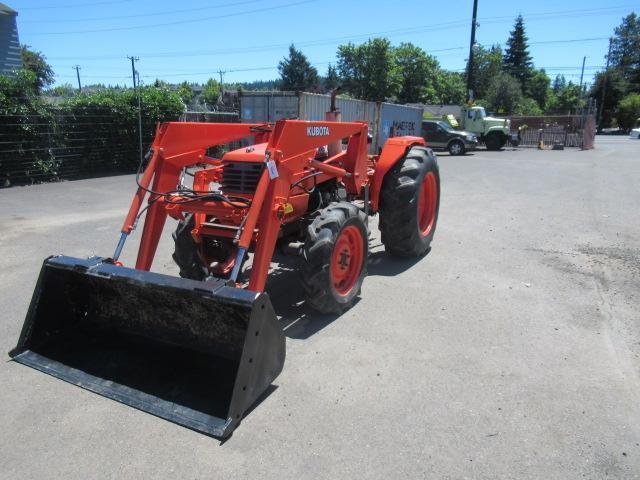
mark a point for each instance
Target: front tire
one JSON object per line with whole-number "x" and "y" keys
{"x": 410, "y": 201}
{"x": 216, "y": 257}
{"x": 495, "y": 141}
{"x": 186, "y": 253}
{"x": 334, "y": 260}
{"x": 456, "y": 147}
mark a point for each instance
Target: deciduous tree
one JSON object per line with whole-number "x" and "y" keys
{"x": 418, "y": 74}
{"x": 36, "y": 62}
{"x": 487, "y": 64}
{"x": 368, "y": 71}
{"x": 504, "y": 94}
{"x": 628, "y": 111}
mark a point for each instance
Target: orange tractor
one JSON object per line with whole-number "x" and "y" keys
{"x": 200, "y": 350}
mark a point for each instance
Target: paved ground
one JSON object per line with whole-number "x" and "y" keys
{"x": 510, "y": 351}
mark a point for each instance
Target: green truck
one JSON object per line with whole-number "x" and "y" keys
{"x": 493, "y": 132}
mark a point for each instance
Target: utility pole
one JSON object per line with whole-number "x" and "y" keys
{"x": 77, "y": 69}
{"x": 474, "y": 24}
{"x": 582, "y": 74}
{"x": 136, "y": 88}
{"x": 221, "y": 72}
{"x": 604, "y": 86}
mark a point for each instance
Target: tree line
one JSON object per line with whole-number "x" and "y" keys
{"x": 506, "y": 81}
{"x": 620, "y": 83}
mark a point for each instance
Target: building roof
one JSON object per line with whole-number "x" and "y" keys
{"x": 7, "y": 9}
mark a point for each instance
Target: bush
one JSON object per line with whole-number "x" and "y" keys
{"x": 629, "y": 111}
{"x": 89, "y": 133}
{"x": 528, "y": 106}
{"x": 25, "y": 128}
{"x": 104, "y": 125}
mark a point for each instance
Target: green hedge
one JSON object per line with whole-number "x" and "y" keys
{"x": 89, "y": 134}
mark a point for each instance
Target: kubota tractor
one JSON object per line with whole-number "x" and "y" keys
{"x": 201, "y": 349}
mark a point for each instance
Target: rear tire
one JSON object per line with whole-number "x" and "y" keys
{"x": 456, "y": 147}
{"x": 334, "y": 260}
{"x": 410, "y": 200}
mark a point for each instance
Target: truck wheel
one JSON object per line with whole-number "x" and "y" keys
{"x": 456, "y": 147}
{"x": 495, "y": 141}
{"x": 334, "y": 260}
{"x": 186, "y": 254}
{"x": 410, "y": 200}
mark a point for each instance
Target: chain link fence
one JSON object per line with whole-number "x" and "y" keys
{"x": 57, "y": 145}
{"x": 566, "y": 130}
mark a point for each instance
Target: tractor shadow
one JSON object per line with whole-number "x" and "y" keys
{"x": 298, "y": 320}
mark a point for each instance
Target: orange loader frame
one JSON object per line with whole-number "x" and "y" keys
{"x": 290, "y": 155}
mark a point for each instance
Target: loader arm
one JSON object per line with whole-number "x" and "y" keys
{"x": 176, "y": 146}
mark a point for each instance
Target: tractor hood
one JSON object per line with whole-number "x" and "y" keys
{"x": 252, "y": 154}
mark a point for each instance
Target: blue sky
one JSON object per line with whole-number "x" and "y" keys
{"x": 193, "y": 39}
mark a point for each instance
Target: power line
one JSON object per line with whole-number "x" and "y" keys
{"x": 552, "y": 68}
{"x": 76, "y": 5}
{"x": 497, "y": 19}
{"x": 153, "y": 14}
{"x": 318, "y": 42}
{"x": 179, "y": 22}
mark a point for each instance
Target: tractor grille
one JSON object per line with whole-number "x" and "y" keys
{"x": 240, "y": 177}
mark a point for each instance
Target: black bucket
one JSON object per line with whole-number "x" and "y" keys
{"x": 196, "y": 353}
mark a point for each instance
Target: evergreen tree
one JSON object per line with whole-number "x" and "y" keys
{"x": 332, "y": 80}
{"x": 517, "y": 61}
{"x": 559, "y": 83}
{"x": 296, "y": 72}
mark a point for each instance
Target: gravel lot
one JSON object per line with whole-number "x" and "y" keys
{"x": 510, "y": 351}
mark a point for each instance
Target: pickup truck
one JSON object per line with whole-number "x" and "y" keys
{"x": 439, "y": 135}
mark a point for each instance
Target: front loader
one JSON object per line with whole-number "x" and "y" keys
{"x": 202, "y": 349}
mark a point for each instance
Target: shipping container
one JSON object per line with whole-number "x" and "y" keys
{"x": 384, "y": 119}
{"x": 256, "y": 107}
{"x": 398, "y": 120}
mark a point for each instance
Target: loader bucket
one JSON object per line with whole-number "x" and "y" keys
{"x": 196, "y": 353}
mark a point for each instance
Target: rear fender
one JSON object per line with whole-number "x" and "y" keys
{"x": 393, "y": 150}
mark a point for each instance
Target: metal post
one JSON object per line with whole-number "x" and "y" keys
{"x": 474, "y": 23}
{"x": 77, "y": 69}
{"x": 604, "y": 86}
